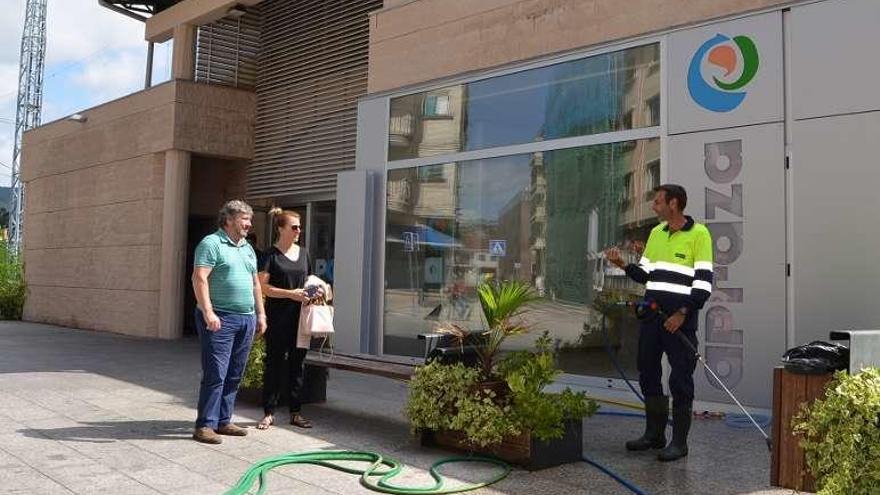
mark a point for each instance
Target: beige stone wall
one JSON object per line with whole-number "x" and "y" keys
{"x": 417, "y": 41}
{"x": 215, "y": 182}
{"x": 214, "y": 120}
{"x": 93, "y": 212}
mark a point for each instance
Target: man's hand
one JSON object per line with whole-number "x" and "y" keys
{"x": 261, "y": 325}
{"x": 637, "y": 247}
{"x": 674, "y": 322}
{"x": 212, "y": 321}
{"x": 612, "y": 254}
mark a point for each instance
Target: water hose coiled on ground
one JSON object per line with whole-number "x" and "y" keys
{"x": 379, "y": 467}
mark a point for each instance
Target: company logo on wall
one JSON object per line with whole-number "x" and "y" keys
{"x": 719, "y": 71}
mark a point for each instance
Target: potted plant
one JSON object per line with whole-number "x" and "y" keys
{"x": 251, "y": 388}
{"x": 463, "y": 407}
{"x": 503, "y": 306}
{"x": 841, "y": 435}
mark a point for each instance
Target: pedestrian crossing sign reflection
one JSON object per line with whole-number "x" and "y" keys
{"x": 410, "y": 242}
{"x": 498, "y": 247}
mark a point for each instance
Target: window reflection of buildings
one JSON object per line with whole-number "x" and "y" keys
{"x": 427, "y": 124}
{"x": 577, "y": 202}
{"x": 538, "y": 220}
{"x": 641, "y": 161}
{"x": 584, "y": 200}
{"x": 422, "y": 201}
{"x": 513, "y": 223}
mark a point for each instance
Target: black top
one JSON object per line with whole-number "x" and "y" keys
{"x": 287, "y": 274}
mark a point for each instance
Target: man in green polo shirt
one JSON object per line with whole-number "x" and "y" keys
{"x": 230, "y": 309}
{"x": 676, "y": 268}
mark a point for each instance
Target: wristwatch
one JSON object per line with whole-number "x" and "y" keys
{"x": 683, "y": 310}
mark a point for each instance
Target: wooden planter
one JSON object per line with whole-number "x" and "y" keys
{"x": 788, "y": 468}
{"x": 523, "y": 450}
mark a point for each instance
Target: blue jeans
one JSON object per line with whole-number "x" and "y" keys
{"x": 224, "y": 356}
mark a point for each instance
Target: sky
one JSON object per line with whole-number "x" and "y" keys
{"x": 93, "y": 56}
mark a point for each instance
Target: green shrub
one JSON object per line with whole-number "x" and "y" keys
{"x": 841, "y": 435}
{"x": 253, "y": 372}
{"x": 12, "y": 285}
{"x": 543, "y": 414}
{"x": 451, "y": 397}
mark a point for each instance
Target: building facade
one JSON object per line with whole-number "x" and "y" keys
{"x": 434, "y": 144}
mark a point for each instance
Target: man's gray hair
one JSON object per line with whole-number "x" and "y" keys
{"x": 231, "y": 209}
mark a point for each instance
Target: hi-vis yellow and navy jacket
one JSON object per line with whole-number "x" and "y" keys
{"x": 676, "y": 267}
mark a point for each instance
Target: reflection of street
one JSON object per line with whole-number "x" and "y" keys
{"x": 576, "y": 329}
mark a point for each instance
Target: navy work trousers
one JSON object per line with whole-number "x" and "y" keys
{"x": 654, "y": 340}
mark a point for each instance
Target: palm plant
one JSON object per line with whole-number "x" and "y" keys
{"x": 503, "y": 305}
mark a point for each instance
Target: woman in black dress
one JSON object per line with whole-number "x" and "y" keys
{"x": 283, "y": 273}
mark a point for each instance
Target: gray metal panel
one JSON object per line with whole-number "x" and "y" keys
{"x": 734, "y": 180}
{"x": 312, "y": 70}
{"x": 864, "y": 348}
{"x": 353, "y": 234}
{"x": 835, "y": 232}
{"x": 372, "y": 134}
{"x": 834, "y": 66}
{"x": 763, "y": 100}
{"x": 359, "y": 228}
{"x": 372, "y": 137}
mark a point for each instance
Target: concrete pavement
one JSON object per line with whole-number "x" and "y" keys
{"x": 94, "y": 413}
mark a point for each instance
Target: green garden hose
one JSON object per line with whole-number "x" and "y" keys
{"x": 392, "y": 468}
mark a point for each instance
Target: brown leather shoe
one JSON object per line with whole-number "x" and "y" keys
{"x": 206, "y": 435}
{"x": 232, "y": 430}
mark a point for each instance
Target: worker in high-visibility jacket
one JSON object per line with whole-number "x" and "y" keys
{"x": 676, "y": 268}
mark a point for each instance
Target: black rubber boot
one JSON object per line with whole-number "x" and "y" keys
{"x": 656, "y": 415}
{"x": 681, "y": 425}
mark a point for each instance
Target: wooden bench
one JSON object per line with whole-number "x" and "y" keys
{"x": 317, "y": 364}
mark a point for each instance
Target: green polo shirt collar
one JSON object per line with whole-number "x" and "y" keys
{"x": 225, "y": 238}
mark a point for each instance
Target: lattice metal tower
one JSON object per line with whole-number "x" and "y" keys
{"x": 30, "y": 104}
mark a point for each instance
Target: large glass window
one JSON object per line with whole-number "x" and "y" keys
{"x": 604, "y": 93}
{"x": 542, "y": 217}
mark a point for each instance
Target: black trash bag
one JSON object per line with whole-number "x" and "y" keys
{"x": 816, "y": 358}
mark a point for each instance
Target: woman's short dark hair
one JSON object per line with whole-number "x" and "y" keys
{"x": 676, "y": 192}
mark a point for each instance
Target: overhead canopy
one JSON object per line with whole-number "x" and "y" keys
{"x": 138, "y": 9}
{"x": 427, "y": 236}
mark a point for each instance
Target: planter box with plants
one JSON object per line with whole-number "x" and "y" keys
{"x": 499, "y": 406}
{"x": 840, "y": 435}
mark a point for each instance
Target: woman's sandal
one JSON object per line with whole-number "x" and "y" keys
{"x": 267, "y": 421}
{"x": 298, "y": 420}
